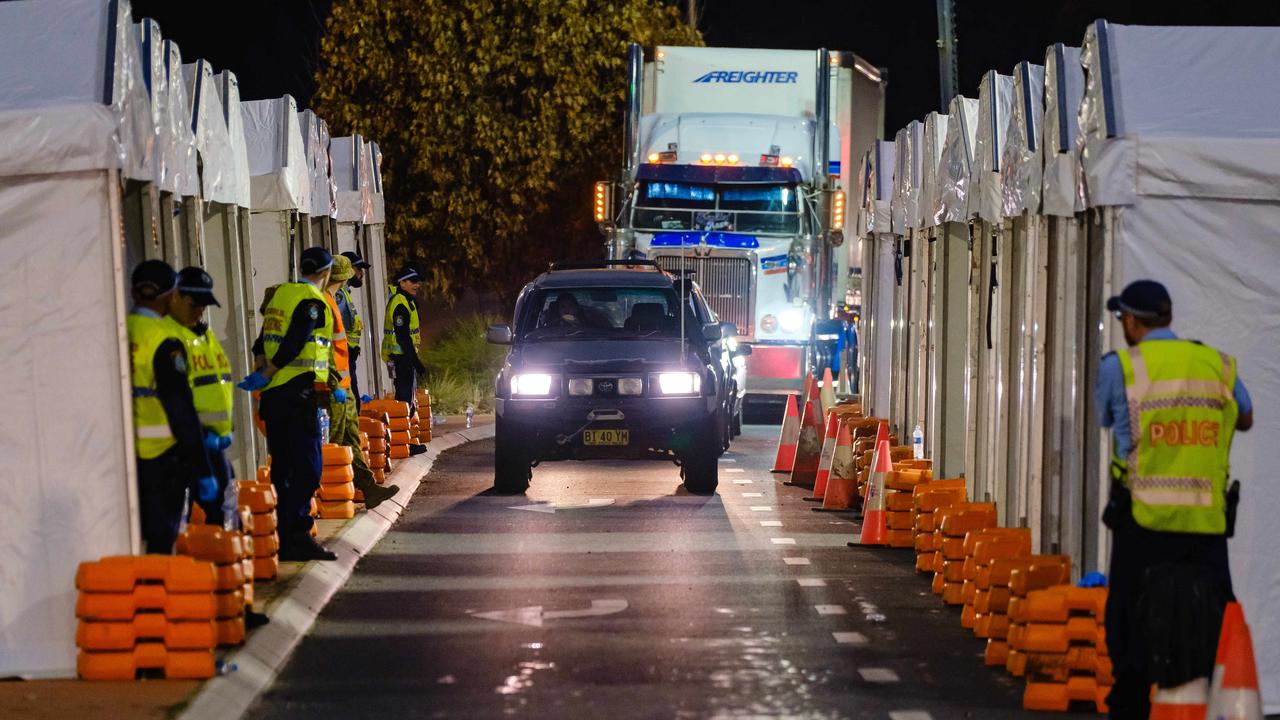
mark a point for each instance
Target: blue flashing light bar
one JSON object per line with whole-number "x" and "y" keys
{"x": 710, "y": 239}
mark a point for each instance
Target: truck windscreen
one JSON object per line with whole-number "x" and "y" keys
{"x": 769, "y": 209}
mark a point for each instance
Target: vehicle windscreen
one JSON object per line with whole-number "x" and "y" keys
{"x": 745, "y": 208}
{"x": 602, "y": 313}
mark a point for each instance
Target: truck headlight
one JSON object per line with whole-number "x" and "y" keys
{"x": 769, "y": 323}
{"x": 533, "y": 384}
{"x": 792, "y": 320}
{"x": 580, "y": 386}
{"x": 678, "y": 383}
{"x": 631, "y": 386}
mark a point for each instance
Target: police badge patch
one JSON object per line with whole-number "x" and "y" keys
{"x": 399, "y": 321}
{"x": 314, "y": 312}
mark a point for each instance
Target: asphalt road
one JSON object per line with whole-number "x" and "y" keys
{"x": 633, "y": 600}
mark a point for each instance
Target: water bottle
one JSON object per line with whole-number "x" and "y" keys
{"x": 917, "y": 443}
{"x": 471, "y": 412}
{"x": 322, "y": 416}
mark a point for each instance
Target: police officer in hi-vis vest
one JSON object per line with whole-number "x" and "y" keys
{"x": 401, "y": 337}
{"x": 168, "y": 437}
{"x": 292, "y": 353}
{"x": 211, "y": 388}
{"x": 351, "y": 319}
{"x": 1173, "y": 407}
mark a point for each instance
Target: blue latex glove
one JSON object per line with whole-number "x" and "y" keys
{"x": 365, "y": 399}
{"x": 206, "y": 489}
{"x": 254, "y": 381}
{"x": 224, "y": 442}
{"x": 1093, "y": 579}
{"x": 339, "y": 395}
{"x": 212, "y": 441}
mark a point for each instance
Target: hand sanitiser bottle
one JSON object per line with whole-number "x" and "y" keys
{"x": 917, "y": 443}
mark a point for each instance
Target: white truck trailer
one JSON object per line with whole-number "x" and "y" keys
{"x": 736, "y": 167}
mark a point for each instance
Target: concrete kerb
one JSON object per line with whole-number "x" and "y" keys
{"x": 293, "y": 614}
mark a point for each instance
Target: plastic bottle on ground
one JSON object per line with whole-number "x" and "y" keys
{"x": 917, "y": 443}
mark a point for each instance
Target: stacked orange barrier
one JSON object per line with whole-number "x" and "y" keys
{"x": 398, "y": 424}
{"x": 364, "y": 450}
{"x": 994, "y": 592}
{"x": 897, "y": 453}
{"x": 1023, "y": 578}
{"x": 899, "y": 502}
{"x": 926, "y": 499}
{"x": 424, "y": 410}
{"x": 953, "y": 523}
{"x": 228, "y": 551}
{"x": 154, "y": 612}
{"x": 374, "y": 424}
{"x": 981, "y": 548}
{"x": 337, "y": 487}
{"x": 259, "y": 498}
{"x": 1058, "y": 638}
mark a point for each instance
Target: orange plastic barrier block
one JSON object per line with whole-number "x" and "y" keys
{"x": 991, "y": 600}
{"x": 904, "y": 480}
{"x": 377, "y": 461}
{"x": 336, "y": 493}
{"x": 924, "y": 563}
{"x": 986, "y": 550}
{"x": 124, "y": 665}
{"x": 970, "y": 590}
{"x": 178, "y": 574}
{"x": 925, "y": 522}
{"x": 231, "y": 602}
{"x": 958, "y": 519}
{"x": 392, "y": 408}
{"x": 1057, "y": 638}
{"x": 399, "y": 452}
{"x": 1001, "y": 569}
{"x": 264, "y": 523}
{"x": 899, "y": 501}
{"x": 935, "y": 498}
{"x": 1056, "y": 604}
{"x": 937, "y": 584}
{"x": 258, "y": 497}
{"x": 266, "y": 568}
{"x": 230, "y": 575}
{"x": 378, "y": 445}
{"x": 337, "y": 474}
{"x": 379, "y": 476}
{"x": 1039, "y": 575}
{"x": 264, "y": 474}
{"x": 952, "y": 547}
{"x": 1058, "y": 667}
{"x": 1016, "y": 661}
{"x": 336, "y": 454}
{"x": 900, "y": 538}
{"x": 399, "y": 424}
{"x": 230, "y": 631}
{"x": 899, "y": 520}
{"x": 123, "y": 606}
{"x": 1057, "y": 697}
{"x": 400, "y": 437}
{"x": 175, "y": 635}
{"x": 938, "y": 559}
{"x": 996, "y": 653}
{"x": 246, "y": 519}
{"x": 953, "y": 571}
{"x": 340, "y": 510}
{"x": 951, "y": 593}
{"x": 373, "y": 426}
{"x": 967, "y": 617}
{"x": 924, "y": 542}
{"x": 1017, "y": 536}
{"x": 266, "y": 545}
{"x": 970, "y": 569}
{"x": 992, "y": 625}
{"x": 211, "y": 543}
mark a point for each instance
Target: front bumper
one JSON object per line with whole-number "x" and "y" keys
{"x": 775, "y": 369}
{"x": 658, "y": 427}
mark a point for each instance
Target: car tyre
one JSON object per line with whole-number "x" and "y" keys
{"x": 735, "y": 425}
{"x": 700, "y": 466}
{"x": 511, "y": 466}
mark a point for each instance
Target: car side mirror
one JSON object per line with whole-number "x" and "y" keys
{"x": 499, "y": 334}
{"x": 742, "y": 350}
{"x": 719, "y": 331}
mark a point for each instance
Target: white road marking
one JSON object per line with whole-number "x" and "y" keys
{"x": 878, "y": 675}
{"x": 783, "y": 541}
{"x": 811, "y": 582}
{"x": 770, "y": 523}
{"x": 741, "y": 482}
{"x": 569, "y": 505}
{"x": 752, "y": 495}
{"x": 849, "y": 638}
{"x": 534, "y": 614}
{"x": 725, "y": 459}
{"x": 909, "y": 715}
{"x": 796, "y": 560}
{"x": 734, "y": 470}
{"x": 830, "y": 609}
{"x": 761, "y": 508}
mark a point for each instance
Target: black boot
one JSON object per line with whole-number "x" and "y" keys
{"x": 301, "y": 547}
{"x": 374, "y": 494}
{"x": 417, "y": 448}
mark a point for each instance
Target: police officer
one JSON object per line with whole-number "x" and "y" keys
{"x": 168, "y": 438}
{"x": 344, "y": 425}
{"x": 351, "y": 319}
{"x": 292, "y": 352}
{"x": 210, "y": 378}
{"x": 1169, "y": 507}
{"x": 402, "y": 335}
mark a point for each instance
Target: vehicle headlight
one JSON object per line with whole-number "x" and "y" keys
{"x": 532, "y": 384}
{"x": 631, "y": 386}
{"x": 580, "y": 386}
{"x": 678, "y": 383}
{"x": 792, "y": 320}
{"x": 769, "y": 323}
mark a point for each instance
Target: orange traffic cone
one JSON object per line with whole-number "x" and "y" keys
{"x": 826, "y": 458}
{"x": 844, "y": 390}
{"x": 875, "y": 528}
{"x": 1185, "y": 702}
{"x": 809, "y": 445}
{"x": 1238, "y": 698}
{"x": 828, "y": 390}
{"x": 842, "y": 483}
{"x": 786, "y": 458}
{"x": 1231, "y": 616}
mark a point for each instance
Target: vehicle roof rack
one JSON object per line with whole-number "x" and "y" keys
{"x": 601, "y": 264}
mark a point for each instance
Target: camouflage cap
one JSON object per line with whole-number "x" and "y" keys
{"x": 342, "y": 270}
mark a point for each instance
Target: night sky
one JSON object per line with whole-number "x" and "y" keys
{"x": 272, "y": 45}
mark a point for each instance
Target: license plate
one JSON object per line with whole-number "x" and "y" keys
{"x": 606, "y": 437}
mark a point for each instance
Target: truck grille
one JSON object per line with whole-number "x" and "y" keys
{"x": 725, "y": 282}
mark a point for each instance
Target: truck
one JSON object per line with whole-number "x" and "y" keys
{"x": 736, "y": 167}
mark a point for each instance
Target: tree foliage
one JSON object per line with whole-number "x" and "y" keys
{"x": 494, "y": 117}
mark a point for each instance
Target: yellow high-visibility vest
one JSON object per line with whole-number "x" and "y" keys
{"x": 314, "y": 357}
{"x": 210, "y": 377}
{"x": 389, "y": 344}
{"x": 151, "y": 431}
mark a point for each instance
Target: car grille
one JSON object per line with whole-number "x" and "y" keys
{"x": 725, "y": 282}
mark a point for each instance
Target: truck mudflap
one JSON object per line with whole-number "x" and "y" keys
{"x": 775, "y": 369}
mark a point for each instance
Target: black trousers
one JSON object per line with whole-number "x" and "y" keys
{"x": 355, "y": 376}
{"x": 1134, "y": 552}
{"x": 162, "y": 486}
{"x": 406, "y": 382}
{"x": 293, "y": 439}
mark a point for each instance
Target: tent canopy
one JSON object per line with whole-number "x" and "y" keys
{"x": 62, "y": 116}
{"x": 279, "y": 178}
{"x": 956, "y": 166}
{"x": 1021, "y": 173}
{"x": 882, "y": 159}
{"x": 209, "y": 126}
{"x": 935, "y": 135}
{"x": 179, "y": 111}
{"x": 906, "y": 178}
{"x": 995, "y": 97}
{"x": 378, "y": 209}
{"x": 322, "y": 202}
{"x": 1063, "y": 88}
{"x": 355, "y": 191}
{"x": 229, "y": 93}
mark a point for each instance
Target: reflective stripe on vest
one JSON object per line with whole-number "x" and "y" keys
{"x": 1182, "y": 415}
{"x": 357, "y": 323}
{"x": 314, "y": 356}
{"x": 151, "y": 432}
{"x": 389, "y": 344}
{"x": 339, "y": 354}
{"x": 210, "y": 376}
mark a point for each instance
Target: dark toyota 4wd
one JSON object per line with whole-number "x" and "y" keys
{"x": 607, "y": 361}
